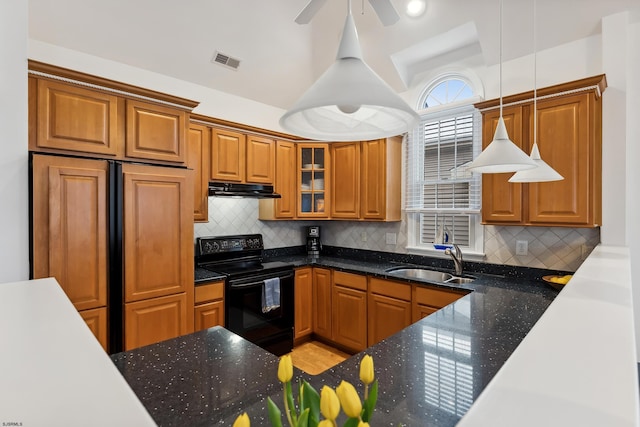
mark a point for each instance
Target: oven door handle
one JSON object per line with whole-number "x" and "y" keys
{"x": 257, "y": 282}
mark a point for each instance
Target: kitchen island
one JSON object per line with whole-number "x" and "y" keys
{"x": 430, "y": 373}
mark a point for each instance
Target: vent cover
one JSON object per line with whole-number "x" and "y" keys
{"x": 226, "y": 60}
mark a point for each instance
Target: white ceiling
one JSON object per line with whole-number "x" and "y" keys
{"x": 280, "y": 59}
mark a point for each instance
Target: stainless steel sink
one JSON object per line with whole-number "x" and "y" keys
{"x": 419, "y": 274}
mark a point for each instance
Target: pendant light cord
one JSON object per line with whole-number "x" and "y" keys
{"x": 500, "y": 58}
{"x": 535, "y": 78}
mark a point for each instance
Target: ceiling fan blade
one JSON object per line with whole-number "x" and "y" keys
{"x": 385, "y": 11}
{"x": 309, "y": 11}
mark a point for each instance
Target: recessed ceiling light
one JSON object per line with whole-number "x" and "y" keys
{"x": 416, "y": 8}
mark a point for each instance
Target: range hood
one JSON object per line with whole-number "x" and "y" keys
{"x": 231, "y": 189}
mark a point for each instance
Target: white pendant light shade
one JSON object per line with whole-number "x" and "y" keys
{"x": 501, "y": 155}
{"x": 541, "y": 173}
{"x": 349, "y": 102}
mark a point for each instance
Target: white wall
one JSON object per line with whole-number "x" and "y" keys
{"x": 14, "y": 214}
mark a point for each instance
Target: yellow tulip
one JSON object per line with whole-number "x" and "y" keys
{"x": 366, "y": 370}
{"x": 363, "y": 424}
{"x": 285, "y": 369}
{"x": 326, "y": 423}
{"x": 242, "y": 421}
{"x": 349, "y": 400}
{"x": 329, "y": 403}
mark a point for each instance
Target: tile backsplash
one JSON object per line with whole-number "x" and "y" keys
{"x": 554, "y": 248}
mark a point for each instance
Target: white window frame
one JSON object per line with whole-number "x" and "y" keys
{"x": 475, "y": 251}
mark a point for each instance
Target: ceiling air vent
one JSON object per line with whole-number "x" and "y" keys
{"x": 226, "y": 60}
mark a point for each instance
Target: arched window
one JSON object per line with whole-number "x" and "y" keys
{"x": 442, "y": 197}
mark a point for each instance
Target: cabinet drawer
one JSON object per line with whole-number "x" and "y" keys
{"x": 349, "y": 280}
{"x": 210, "y": 292}
{"x": 435, "y": 297}
{"x": 390, "y": 289}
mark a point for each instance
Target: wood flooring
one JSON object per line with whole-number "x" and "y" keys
{"x": 314, "y": 357}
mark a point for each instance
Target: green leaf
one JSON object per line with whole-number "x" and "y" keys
{"x": 303, "y": 421}
{"x": 370, "y": 404}
{"x": 351, "y": 422}
{"x": 311, "y": 400}
{"x": 292, "y": 407}
{"x": 275, "y": 416}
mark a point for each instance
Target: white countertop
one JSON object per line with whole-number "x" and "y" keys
{"x": 577, "y": 366}
{"x": 53, "y": 372}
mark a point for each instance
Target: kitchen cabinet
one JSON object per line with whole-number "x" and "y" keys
{"x": 155, "y": 132}
{"x": 349, "y": 324}
{"x": 428, "y": 300}
{"x": 74, "y": 118}
{"x": 198, "y": 146}
{"x": 366, "y": 180}
{"x": 96, "y": 320}
{"x": 322, "y": 307}
{"x": 156, "y": 319}
{"x": 238, "y": 157}
{"x": 209, "y": 305}
{"x": 313, "y": 180}
{"x": 303, "y": 303}
{"x": 569, "y": 133}
{"x": 389, "y": 308}
{"x": 284, "y": 184}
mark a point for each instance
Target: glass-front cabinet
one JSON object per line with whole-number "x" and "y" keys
{"x": 312, "y": 180}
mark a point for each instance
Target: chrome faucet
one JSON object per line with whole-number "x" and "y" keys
{"x": 456, "y": 257}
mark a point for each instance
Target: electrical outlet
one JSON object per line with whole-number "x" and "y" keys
{"x": 391, "y": 238}
{"x": 364, "y": 236}
{"x": 522, "y": 247}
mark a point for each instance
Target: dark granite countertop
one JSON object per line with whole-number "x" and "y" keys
{"x": 430, "y": 373}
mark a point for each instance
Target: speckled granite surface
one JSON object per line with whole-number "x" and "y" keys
{"x": 430, "y": 373}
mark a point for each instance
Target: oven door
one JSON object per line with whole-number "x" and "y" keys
{"x": 244, "y": 316}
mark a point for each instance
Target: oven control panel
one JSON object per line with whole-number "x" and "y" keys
{"x": 226, "y": 244}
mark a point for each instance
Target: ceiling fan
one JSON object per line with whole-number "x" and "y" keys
{"x": 383, "y": 8}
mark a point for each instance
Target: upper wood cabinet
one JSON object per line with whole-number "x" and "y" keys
{"x": 198, "y": 146}
{"x": 70, "y": 227}
{"x": 155, "y": 132}
{"x": 569, "y": 133}
{"x": 73, "y": 118}
{"x": 238, "y": 157}
{"x": 313, "y": 180}
{"x": 366, "y": 180}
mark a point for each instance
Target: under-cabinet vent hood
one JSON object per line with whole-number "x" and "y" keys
{"x": 229, "y": 189}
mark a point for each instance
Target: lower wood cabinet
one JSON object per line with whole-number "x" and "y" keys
{"x": 96, "y": 320}
{"x": 389, "y": 305}
{"x": 349, "y": 310}
{"x": 303, "y": 303}
{"x": 322, "y": 302}
{"x": 154, "y": 320}
{"x": 209, "y": 306}
{"x": 429, "y": 300}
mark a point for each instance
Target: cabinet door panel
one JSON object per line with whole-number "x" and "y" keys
{"x": 158, "y": 231}
{"x": 563, "y": 125}
{"x": 77, "y": 119}
{"x": 154, "y": 320}
{"x": 228, "y": 151}
{"x": 260, "y": 160}
{"x": 386, "y": 317}
{"x": 322, "y": 302}
{"x": 303, "y": 303}
{"x": 420, "y": 311}
{"x": 96, "y": 320}
{"x": 209, "y": 315}
{"x": 155, "y": 132}
{"x": 70, "y": 226}
{"x": 350, "y": 317}
{"x": 199, "y": 143}
{"x": 285, "y": 179}
{"x": 502, "y": 200}
{"x": 345, "y": 176}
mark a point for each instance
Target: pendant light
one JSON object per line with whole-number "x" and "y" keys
{"x": 349, "y": 102}
{"x": 542, "y": 172}
{"x": 501, "y": 155}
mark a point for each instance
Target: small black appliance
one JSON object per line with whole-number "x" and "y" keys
{"x": 314, "y": 246}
